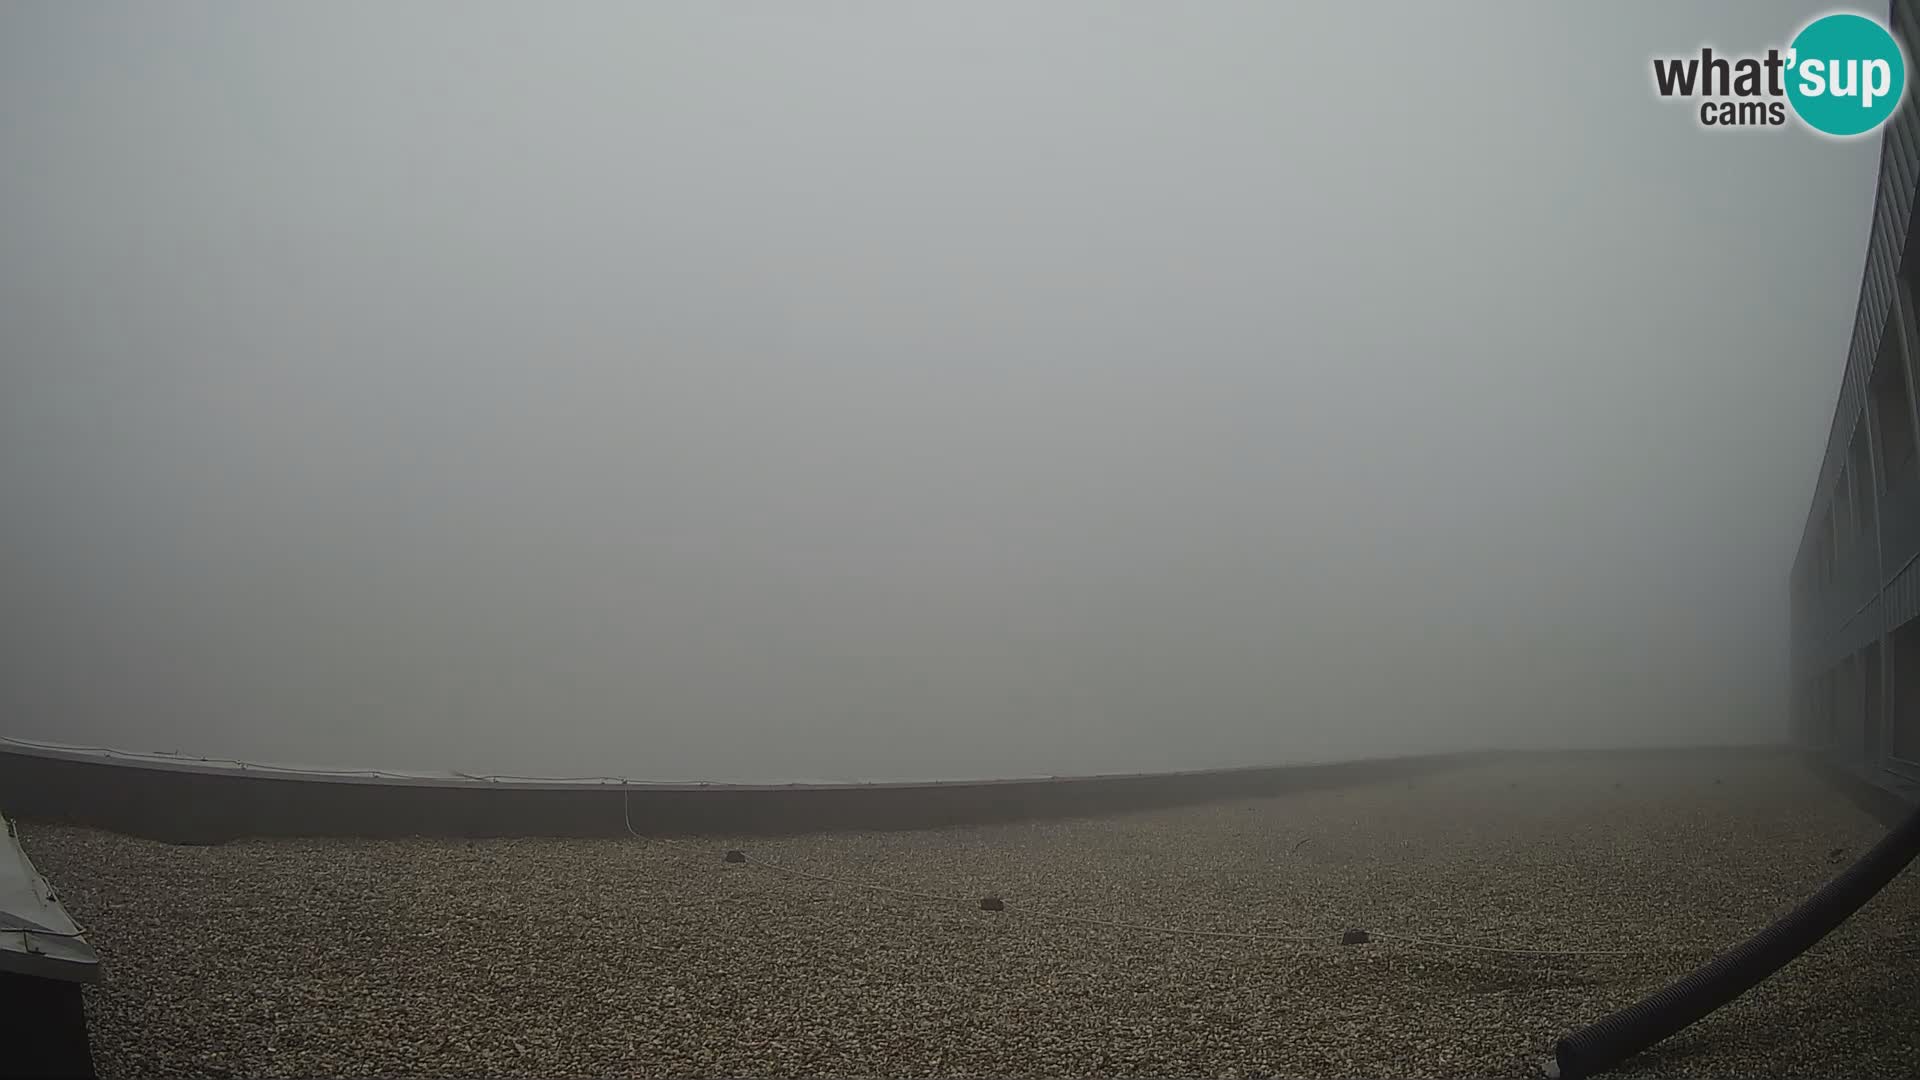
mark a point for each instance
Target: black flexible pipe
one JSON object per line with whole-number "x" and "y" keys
{"x": 1606, "y": 1042}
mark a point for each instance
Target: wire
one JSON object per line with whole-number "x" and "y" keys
{"x": 314, "y": 770}
{"x": 1060, "y": 916}
{"x": 1440, "y": 943}
{"x": 1242, "y": 935}
{"x": 132, "y": 755}
{"x": 38, "y": 931}
{"x": 1111, "y": 924}
{"x": 626, "y": 816}
{"x": 42, "y": 893}
{"x": 868, "y": 885}
{"x": 246, "y": 765}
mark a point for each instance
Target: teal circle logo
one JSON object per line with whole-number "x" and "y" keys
{"x": 1846, "y": 74}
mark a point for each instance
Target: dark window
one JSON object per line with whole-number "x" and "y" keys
{"x": 1826, "y": 539}
{"x": 1817, "y": 711}
{"x": 1870, "y": 694}
{"x": 1803, "y": 714}
{"x": 1829, "y": 705}
{"x": 1843, "y": 523}
{"x": 1859, "y": 463}
{"x": 1905, "y": 720}
{"x": 1893, "y": 414}
{"x": 1848, "y": 706}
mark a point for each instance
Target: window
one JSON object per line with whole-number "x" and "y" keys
{"x": 1803, "y": 713}
{"x": 1814, "y": 702}
{"x": 1905, "y": 693}
{"x": 1870, "y": 704}
{"x": 1893, "y": 414}
{"x": 1829, "y": 689}
{"x": 1847, "y": 706}
{"x": 1842, "y": 691}
{"x": 1817, "y": 710}
{"x": 1824, "y": 536}
{"x": 1843, "y": 511}
{"x": 1860, "y": 464}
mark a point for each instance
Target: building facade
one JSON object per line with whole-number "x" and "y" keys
{"x": 1855, "y": 583}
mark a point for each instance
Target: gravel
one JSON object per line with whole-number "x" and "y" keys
{"x": 597, "y": 957}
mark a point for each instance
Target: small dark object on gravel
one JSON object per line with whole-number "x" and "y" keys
{"x": 992, "y": 903}
{"x": 736, "y": 856}
{"x": 1355, "y": 937}
{"x": 1836, "y": 854}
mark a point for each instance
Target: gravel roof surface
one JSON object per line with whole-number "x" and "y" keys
{"x": 602, "y": 957}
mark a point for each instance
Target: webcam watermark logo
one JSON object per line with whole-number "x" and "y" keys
{"x": 1842, "y": 75}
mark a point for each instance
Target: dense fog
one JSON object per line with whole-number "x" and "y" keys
{"x": 894, "y": 391}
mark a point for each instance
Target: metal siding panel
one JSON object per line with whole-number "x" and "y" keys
{"x": 1865, "y": 599}
{"x": 1881, "y": 234}
{"x": 1897, "y": 608}
{"x": 1902, "y": 598}
{"x": 1887, "y": 210}
{"x": 1861, "y": 350}
{"x": 1899, "y": 168}
{"x": 1864, "y": 629}
{"x": 1898, "y": 596}
{"x": 1893, "y": 171}
{"x": 1880, "y": 341}
{"x": 1870, "y": 283}
{"x": 1885, "y": 266}
{"x": 1834, "y": 622}
{"x": 1898, "y": 173}
{"x": 1900, "y": 153}
{"x": 1900, "y": 20}
{"x": 1900, "y": 324}
{"x": 1892, "y": 166}
{"x": 1899, "y": 526}
{"x": 1880, "y": 278}
{"x": 1886, "y": 258}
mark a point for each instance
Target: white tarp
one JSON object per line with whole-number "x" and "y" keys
{"x": 37, "y": 936}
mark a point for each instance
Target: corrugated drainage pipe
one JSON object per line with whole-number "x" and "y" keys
{"x": 1606, "y": 1042}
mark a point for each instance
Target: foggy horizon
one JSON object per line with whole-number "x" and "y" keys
{"x": 880, "y": 393}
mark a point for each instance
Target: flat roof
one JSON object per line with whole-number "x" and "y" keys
{"x": 37, "y": 936}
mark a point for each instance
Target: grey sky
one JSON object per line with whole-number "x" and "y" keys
{"x": 871, "y": 390}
